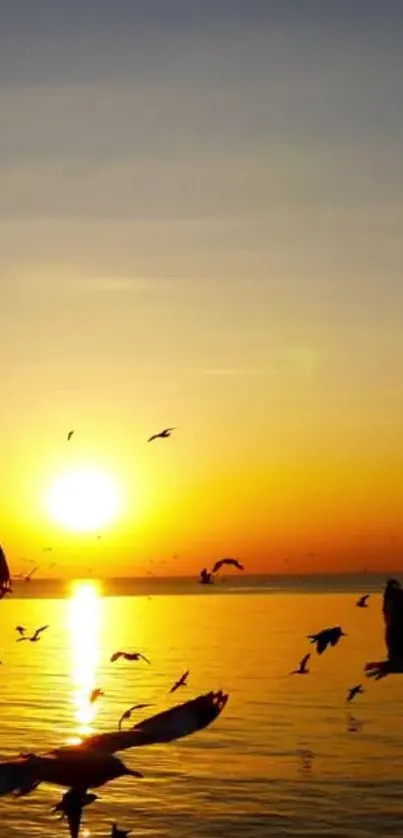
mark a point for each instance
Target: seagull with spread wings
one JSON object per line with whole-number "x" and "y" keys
{"x": 181, "y": 682}
{"x": 363, "y": 601}
{"x": 129, "y": 656}
{"x": 165, "y": 434}
{"x": 326, "y": 637}
{"x": 302, "y": 669}
{"x": 35, "y": 636}
{"x": 393, "y": 618}
{"x": 221, "y": 562}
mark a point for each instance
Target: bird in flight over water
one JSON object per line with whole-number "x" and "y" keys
{"x": 119, "y": 833}
{"x": 353, "y": 691}
{"x": 34, "y": 637}
{"x": 96, "y": 694}
{"x": 182, "y": 682}
{"x": 127, "y": 713}
{"x": 362, "y": 602}
{"x": 69, "y": 435}
{"x": 162, "y": 434}
{"x": 129, "y": 656}
{"x": 302, "y": 669}
{"x": 327, "y": 637}
{"x": 392, "y": 609}
{"x": 221, "y": 562}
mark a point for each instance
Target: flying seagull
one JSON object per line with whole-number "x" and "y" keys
{"x": 182, "y": 682}
{"x": 36, "y": 635}
{"x": 353, "y": 691}
{"x": 162, "y": 434}
{"x": 362, "y": 602}
{"x": 91, "y": 764}
{"x": 96, "y": 694}
{"x": 326, "y": 637}
{"x": 234, "y": 562}
{"x": 393, "y": 618}
{"x": 129, "y": 656}
{"x": 5, "y": 579}
{"x": 302, "y": 669}
{"x": 69, "y": 435}
{"x": 127, "y": 713}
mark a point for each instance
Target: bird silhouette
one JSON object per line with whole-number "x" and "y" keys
{"x": 354, "y": 724}
{"x": 302, "y": 669}
{"x": 5, "y": 578}
{"x": 95, "y": 694}
{"x": 129, "y": 656}
{"x": 221, "y": 562}
{"x": 71, "y": 807}
{"x": 162, "y": 434}
{"x": 35, "y": 636}
{"x": 182, "y": 682}
{"x": 353, "y": 691}
{"x": 21, "y": 630}
{"x": 362, "y": 602}
{"x": 206, "y": 578}
{"x": 29, "y": 575}
{"x": 392, "y": 609}
{"x": 69, "y": 435}
{"x": 326, "y": 637}
{"x": 119, "y": 833}
{"x": 127, "y": 713}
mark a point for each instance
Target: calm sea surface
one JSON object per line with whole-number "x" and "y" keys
{"x": 280, "y": 761}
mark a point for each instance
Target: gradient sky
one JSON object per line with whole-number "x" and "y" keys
{"x": 200, "y": 225}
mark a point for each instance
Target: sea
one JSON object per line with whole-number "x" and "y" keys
{"x": 287, "y": 757}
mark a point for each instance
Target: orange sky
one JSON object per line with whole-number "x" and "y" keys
{"x": 201, "y": 229}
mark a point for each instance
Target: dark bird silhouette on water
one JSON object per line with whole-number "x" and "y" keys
{"x": 91, "y": 764}
{"x": 21, "y": 630}
{"x": 353, "y": 691}
{"x": 162, "y": 434}
{"x": 129, "y": 656}
{"x": 182, "y": 682}
{"x": 392, "y": 609}
{"x": 206, "y": 578}
{"x": 119, "y": 833}
{"x": 221, "y": 562}
{"x": 302, "y": 669}
{"x": 5, "y": 579}
{"x": 69, "y": 435}
{"x": 96, "y": 694}
{"x": 327, "y": 637}
{"x": 362, "y": 602}
{"x": 127, "y": 714}
{"x": 35, "y": 636}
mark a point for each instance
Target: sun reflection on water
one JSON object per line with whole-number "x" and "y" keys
{"x": 84, "y": 620}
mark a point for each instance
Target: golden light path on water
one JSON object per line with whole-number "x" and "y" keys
{"x": 84, "y": 624}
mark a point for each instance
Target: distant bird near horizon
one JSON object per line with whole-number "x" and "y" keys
{"x": 362, "y": 602}
{"x": 182, "y": 682}
{"x": 127, "y": 714}
{"x": 119, "y": 833}
{"x": 392, "y": 610}
{"x": 221, "y": 562}
{"x": 353, "y": 691}
{"x": 162, "y": 434}
{"x": 129, "y": 656}
{"x": 95, "y": 694}
{"x": 206, "y": 578}
{"x": 302, "y": 669}
{"x": 35, "y": 636}
{"x": 69, "y": 435}
{"x": 29, "y": 575}
{"x": 326, "y": 637}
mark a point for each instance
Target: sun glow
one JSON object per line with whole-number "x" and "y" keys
{"x": 83, "y": 500}
{"x": 84, "y": 621}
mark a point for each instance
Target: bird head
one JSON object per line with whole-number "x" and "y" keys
{"x": 342, "y": 633}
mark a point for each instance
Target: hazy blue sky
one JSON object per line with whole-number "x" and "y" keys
{"x": 201, "y": 223}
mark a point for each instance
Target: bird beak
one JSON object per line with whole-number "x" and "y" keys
{"x": 344, "y": 634}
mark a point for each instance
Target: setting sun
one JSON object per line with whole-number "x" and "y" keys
{"x": 83, "y": 500}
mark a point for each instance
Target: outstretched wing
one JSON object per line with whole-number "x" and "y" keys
{"x": 305, "y": 661}
{"x": 393, "y": 616}
{"x": 221, "y": 562}
{"x": 171, "y": 724}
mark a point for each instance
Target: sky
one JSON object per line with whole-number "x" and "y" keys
{"x": 200, "y": 227}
